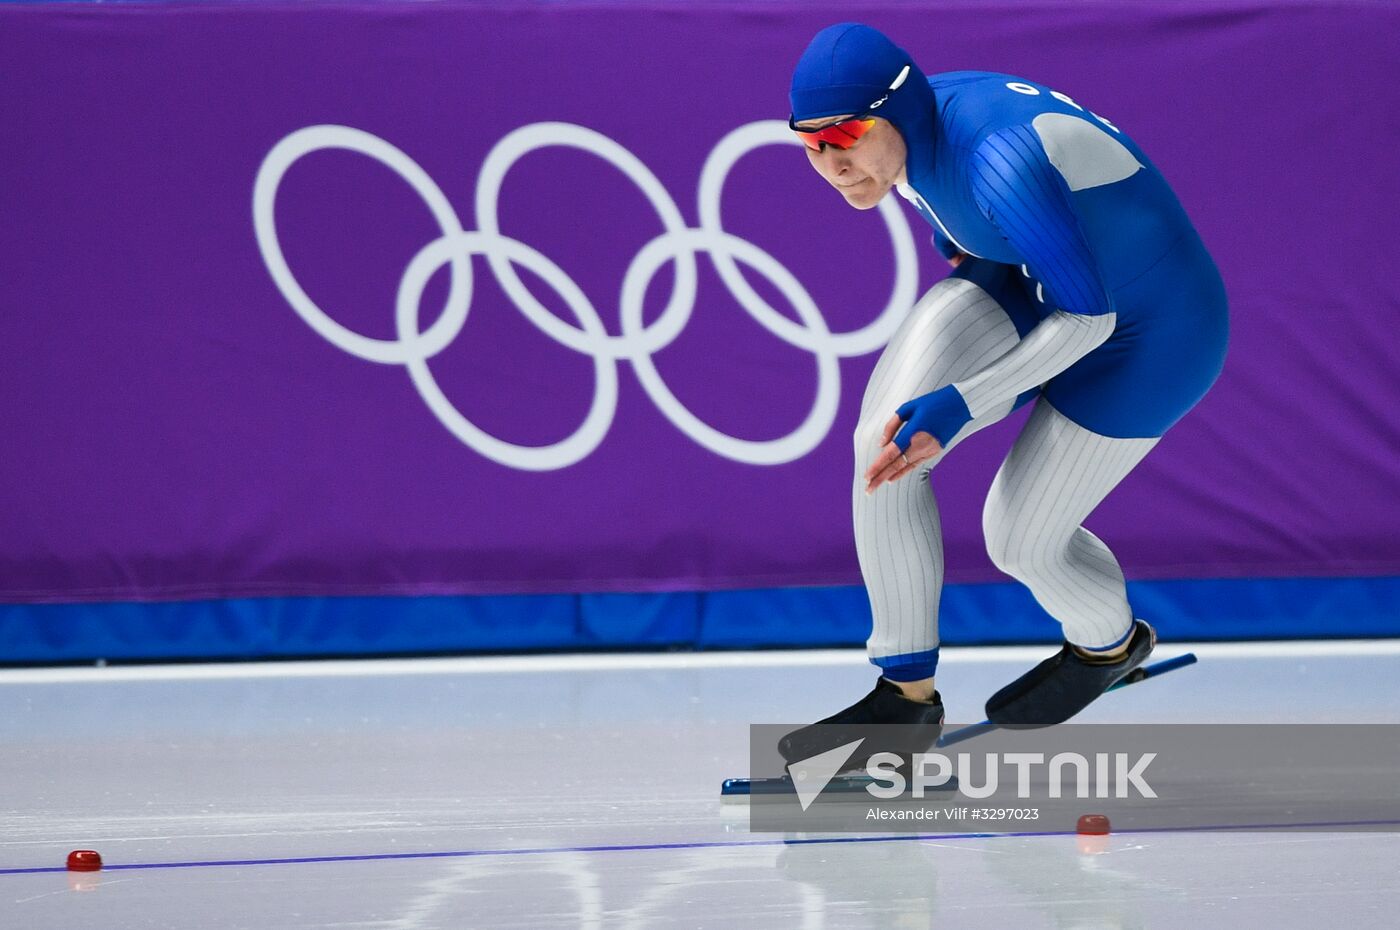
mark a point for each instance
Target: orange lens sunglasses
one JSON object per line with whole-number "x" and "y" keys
{"x": 841, "y": 135}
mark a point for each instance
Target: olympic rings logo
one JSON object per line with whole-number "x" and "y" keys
{"x": 415, "y": 345}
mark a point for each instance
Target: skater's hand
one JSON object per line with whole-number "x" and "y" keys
{"x": 894, "y": 463}
{"x": 929, "y": 424}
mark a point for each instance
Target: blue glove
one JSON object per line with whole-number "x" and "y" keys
{"x": 940, "y": 414}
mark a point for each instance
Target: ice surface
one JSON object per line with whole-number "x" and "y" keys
{"x": 584, "y": 792}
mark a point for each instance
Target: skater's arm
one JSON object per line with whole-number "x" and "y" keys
{"x": 1019, "y": 190}
{"x": 1057, "y": 342}
{"x": 1027, "y": 199}
{"x": 923, "y": 427}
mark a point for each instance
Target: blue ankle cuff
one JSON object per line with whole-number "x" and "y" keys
{"x": 910, "y": 666}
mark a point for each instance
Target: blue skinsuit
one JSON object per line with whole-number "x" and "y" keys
{"x": 1075, "y": 234}
{"x": 1119, "y": 243}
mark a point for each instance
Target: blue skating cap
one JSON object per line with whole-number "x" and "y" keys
{"x": 847, "y": 67}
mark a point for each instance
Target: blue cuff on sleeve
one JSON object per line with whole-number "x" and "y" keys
{"x": 940, "y": 414}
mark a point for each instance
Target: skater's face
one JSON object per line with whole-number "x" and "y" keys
{"x": 865, "y": 170}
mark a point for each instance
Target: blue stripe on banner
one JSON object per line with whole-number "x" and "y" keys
{"x": 781, "y": 617}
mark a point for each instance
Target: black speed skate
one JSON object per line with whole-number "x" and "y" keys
{"x": 1066, "y": 683}
{"x": 913, "y": 727}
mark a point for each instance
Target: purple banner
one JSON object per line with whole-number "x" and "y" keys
{"x": 375, "y": 299}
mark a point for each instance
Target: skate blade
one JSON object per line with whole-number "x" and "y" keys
{"x": 849, "y": 787}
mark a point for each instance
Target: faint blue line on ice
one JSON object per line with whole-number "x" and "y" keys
{"x": 712, "y": 844}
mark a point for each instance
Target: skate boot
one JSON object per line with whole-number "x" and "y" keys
{"x": 918, "y": 728}
{"x": 1066, "y": 683}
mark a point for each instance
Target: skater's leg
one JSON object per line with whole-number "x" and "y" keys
{"x": 1056, "y": 474}
{"x": 956, "y": 329}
